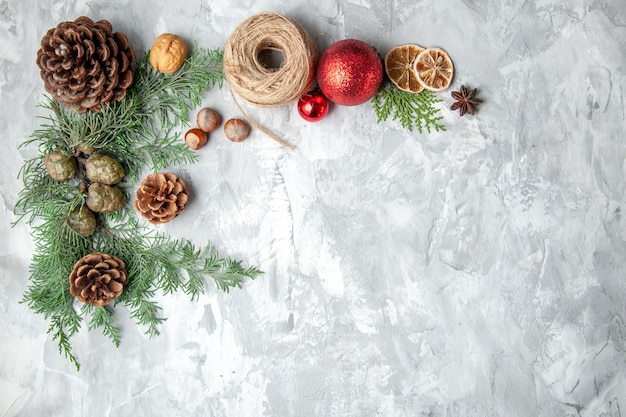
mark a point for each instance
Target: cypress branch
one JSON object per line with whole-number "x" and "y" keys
{"x": 139, "y": 131}
{"x": 412, "y": 110}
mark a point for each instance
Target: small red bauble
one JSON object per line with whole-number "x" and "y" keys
{"x": 349, "y": 72}
{"x": 313, "y": 106}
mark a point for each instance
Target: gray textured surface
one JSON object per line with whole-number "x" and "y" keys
{"x": 475, "y": 272}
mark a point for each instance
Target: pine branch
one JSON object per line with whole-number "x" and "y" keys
{"x": 48, "y": 293}
{"x": 412, "y": 110}
{"x": 139, "y": 131}
{"x": 157, "y": 262}
{"x": 50, "y": 135}
{"x": 160, "y": 148}
{"x": 227, "y": 273}
{"x": 57, "y": 329}
{"x": 42, "y": 196}
{"x": 145, "y": 313}
{"x": 103, "y": 317}
{"x": 57, "y": 247}
{"x": 174, "y": 264}
{"x": 201, "y": 71}
{"x": 128, "y": 243}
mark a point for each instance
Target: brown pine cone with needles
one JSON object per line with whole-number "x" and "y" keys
{"x": 98, "y": 279}
{"x": 161, "y": 197}
{"x": 85, "y": 64}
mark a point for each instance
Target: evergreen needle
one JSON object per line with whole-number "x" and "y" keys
{"x": 103, "y": 317}
{"x": 410, "y": 109}
{"x": 139, "y": 131}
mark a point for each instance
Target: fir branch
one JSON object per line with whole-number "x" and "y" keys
{"x": 57, "y": 329}
{"x": 161, "y": 147}
{"x": 412, "y": 110}
{"x": 57, "y": 248}
{"x": 50, "y": 135}
{"x": 103, "y": 317}
{"x": 227, "y": 273}
{"x": 171, "y": 265}
{"x": 145, "y": 313}
{"x": 185, "y": 88}
{"x": 138, "y": 131}
{"x": 43, "y": 196}
{"x": 48, "y": 292}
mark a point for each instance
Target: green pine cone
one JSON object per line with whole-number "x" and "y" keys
{"x": 85, "y": 150}
{"x": 61, "y": 167}
{"x": 104, "y": 169}
{"x": 103, "y": 198}
{"x": 82, "y": 221}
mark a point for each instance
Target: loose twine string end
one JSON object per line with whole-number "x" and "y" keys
{"x": 259, "y": 126}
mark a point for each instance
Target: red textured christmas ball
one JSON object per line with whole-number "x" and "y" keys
{"x": 313, "y": 106}
{"x": 349, "y": 72}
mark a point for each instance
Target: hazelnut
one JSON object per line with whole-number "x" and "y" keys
{"x": 195, "y": 138}
{"x": 208, "y": 119}
{"x": 168, "y": 53}
{"x": 236, "y": 130}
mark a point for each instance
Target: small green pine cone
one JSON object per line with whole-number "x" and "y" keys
{"x": 82, "y": 221}
{"x": 103, "y": 198}
{"x": 104, "y": 169}
{"x": 85, "y": 150}
{"x": 61, "y": 167}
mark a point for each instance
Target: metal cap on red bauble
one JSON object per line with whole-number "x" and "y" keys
{"x": 349, "y": 72}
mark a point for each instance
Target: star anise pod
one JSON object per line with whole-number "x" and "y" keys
{"x": 465, "y": 100}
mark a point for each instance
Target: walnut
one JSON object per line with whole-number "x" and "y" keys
{"x": 168, "y": 53}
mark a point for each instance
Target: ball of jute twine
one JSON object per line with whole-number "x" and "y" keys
{"x": 253, "y": 78}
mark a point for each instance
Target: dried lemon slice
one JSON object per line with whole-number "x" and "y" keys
{"x": 400, "y": 67}
{"x": 434, "y": 69}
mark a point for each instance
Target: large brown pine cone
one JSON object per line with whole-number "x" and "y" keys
{"x": 84, "y": 64}
{"x": 98, "y": 279}
{"x": 161, "y": 197}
